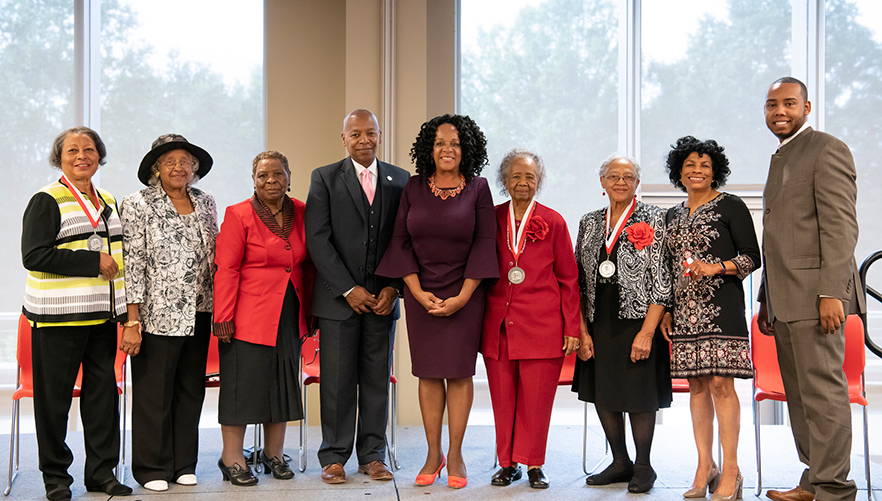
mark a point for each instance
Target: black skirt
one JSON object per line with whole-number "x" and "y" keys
{"x": 259, "y": 383}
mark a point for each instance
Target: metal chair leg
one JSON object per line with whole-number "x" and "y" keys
{"x": 866, "y": 443}
{"x": 256, "y": 463}
{"x": 303, "y": 433}
{"x": 394, "y": 432}
{"x": 756, "y": 434}
{"x": 13, "y": 447}
{"x": 123, "y": 401}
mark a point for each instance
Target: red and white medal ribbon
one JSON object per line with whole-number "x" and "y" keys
{"x": 517, "y": 240}
{"x": 613, "y": 236}
{"x": 607, "y": 268}
{"x": 94, "y": 242}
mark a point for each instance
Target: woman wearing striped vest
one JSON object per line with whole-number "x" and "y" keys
{"x": 71, "y": 244}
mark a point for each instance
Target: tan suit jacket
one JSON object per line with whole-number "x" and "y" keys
{"x": 810, "y": 229}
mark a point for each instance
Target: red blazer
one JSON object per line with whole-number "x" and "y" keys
{"x": 253, "y": 269}
{"x": 542, "y": 309}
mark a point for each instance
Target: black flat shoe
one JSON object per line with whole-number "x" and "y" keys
{"x": 537, "y": 477}
{"x": 57, "y": 492}
{"x": 506, "y": 475}
{"x": 236, "y": 474}
{"x": 613, "y": 473}
{"x": 643, "y": 480}
{"x": 279, "y": 467}
{"x": 111, "y": 488}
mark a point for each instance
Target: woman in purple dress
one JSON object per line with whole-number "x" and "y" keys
{"x": 444, "y": 246}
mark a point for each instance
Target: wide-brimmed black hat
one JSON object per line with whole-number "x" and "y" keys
{"x": 169, "y": 142}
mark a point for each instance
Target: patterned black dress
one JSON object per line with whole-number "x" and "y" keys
{"x": 710, "y": 329}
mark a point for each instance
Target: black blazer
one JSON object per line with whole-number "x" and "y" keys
{"x": 337, "y": 229}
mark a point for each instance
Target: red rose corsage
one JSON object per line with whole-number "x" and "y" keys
{"x": 537, "y": 228}
{"x": 640, "y": 234}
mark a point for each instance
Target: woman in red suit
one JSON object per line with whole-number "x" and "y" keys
{"x": 539, "y": 287}
{"x": 261, "y": 300}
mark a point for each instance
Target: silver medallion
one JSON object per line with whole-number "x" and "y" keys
{"x": 516, "y": 275}
{"x": 607, "y": 269}
{"x": 94, "y": 243}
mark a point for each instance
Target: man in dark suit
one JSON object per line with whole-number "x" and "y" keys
{"x": 350, "y": 213}
{"x": 810, "y": 281}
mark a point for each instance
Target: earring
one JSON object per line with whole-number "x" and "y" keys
{"x": 678, "y": 184}
{"x": 604, "y": 193}
{"x": 715, "y": 182}
{"x": 156, "y": 174}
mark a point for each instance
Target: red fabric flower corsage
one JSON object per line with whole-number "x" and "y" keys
{"x": 640, "y": 234}
{"x": 537, "y": 228}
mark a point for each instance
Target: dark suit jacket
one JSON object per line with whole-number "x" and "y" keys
{"x": 810, "y": 228}
{"x": 337, "y": 232}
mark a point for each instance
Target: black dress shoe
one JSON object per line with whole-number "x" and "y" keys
{"x": 643, "y": 480}
{"x": 111, "y": 488}
{"x": 537, "y": 477}
{"x": 279, "y": 467}
{"x": 57, "y": 492}
{"x": 616, "y": 472}
{"x": 236, "y": 474}
{"x": 506, "y": 475}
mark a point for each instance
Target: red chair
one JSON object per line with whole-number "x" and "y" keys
{"x": 310, "y": 373}
{"x": 212, "y": 365}
{"x": 25, "y": 389}
{"x": 767, "y": 383}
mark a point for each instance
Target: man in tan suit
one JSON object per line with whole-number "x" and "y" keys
{"x": 810, "y": 281}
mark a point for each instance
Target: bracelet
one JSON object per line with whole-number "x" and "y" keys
{"x": 723, "y": 266}
{"x": 131, "y": 323}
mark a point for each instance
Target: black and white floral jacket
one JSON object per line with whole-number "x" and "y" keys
{"x": 643, "y": 275}
{"x": 166, "y": 274}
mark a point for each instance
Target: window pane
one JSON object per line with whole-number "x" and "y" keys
{"x": 37, "y": 82}
{"x": 543, "y": 75}
{"x": 853, "y": 106}
{"x": 854, "y": 102}
{"x": 184, "y": 73}
{"x": 706, "y": 67}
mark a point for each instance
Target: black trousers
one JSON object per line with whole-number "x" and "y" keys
{"x": 168, "y": 388}
{"x": 57, "y": 353}
{"x": 356, "y": 357}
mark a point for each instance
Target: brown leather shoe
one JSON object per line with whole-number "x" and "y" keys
{"x": 377, "y": 470}
{"x": 333, "y": 474}
{"x": 797, "y": 494}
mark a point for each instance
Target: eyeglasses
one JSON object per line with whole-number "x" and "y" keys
{"x": 185, "y": 164}
{"x": 615, "y": 178}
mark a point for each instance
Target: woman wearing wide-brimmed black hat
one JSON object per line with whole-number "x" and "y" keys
{"x": 169, "y": 231}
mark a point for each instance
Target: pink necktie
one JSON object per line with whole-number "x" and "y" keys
{"x": 367, "y": 186}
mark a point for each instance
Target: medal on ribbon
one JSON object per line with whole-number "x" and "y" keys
{"x": 608, "y": 268}
{"x": 517, "y": 241}
{"x": 94, "y": 242}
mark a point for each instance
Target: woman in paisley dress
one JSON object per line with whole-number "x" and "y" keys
{"x": 712, "y": 247}
{"x": 625, "y": 287}
{"x": 169, "y": 231}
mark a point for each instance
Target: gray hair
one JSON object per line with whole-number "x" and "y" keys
{"x": 55, "y": 153}
{"x": 604, "y": 167}
{"x": 505, "y": 168}
{"x": 154, "y": 171}
{"x": 271, "y": 155}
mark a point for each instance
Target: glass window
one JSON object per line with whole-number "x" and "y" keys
{"x": 37, "y": 78}
{"x": 706, "y": 67}
{"x": 544, "y": 76}
{"x": 853, "y": 105}
{"x": 171, "y": 66}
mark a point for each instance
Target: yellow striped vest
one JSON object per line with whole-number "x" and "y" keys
{"x": 63, "y": 300}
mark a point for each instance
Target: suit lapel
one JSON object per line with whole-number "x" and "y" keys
{"x": 350, "y": 180}
{"x": 384, "y": 181}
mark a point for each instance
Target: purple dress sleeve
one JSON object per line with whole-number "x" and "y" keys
{"x": 482, "y": 261}
{"x": 399, "y": 259}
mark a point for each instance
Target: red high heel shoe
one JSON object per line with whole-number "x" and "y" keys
{"x": 430, "y": 479}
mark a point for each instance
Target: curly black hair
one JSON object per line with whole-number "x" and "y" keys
{"x": 471, "y": 140}
{"x": 686, "y": 145}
